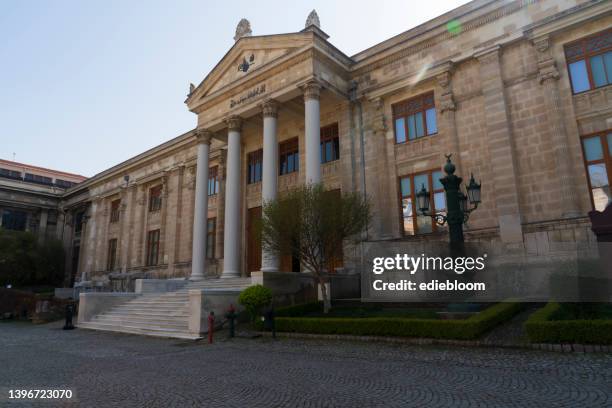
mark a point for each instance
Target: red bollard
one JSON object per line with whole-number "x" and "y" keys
{"x": 211, "y": 326}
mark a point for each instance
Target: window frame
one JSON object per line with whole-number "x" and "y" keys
{"x": 155, "y": 198}
{"x": 606, "y": 160}
{"x": 434, "y": 226}
{"x": 403, "y": 110}
{"x": 287, "y": 148}
{"x": 213, "y": 180}
{"x": 111, "y": 254}
{"x": 330, "y": 133}
{"x": 253, "y": 159}
{"x": 210, "y": 237}
{"x": 153, "y": 238}
{"x": 586, "y": 55}
{"x": 115, "y": 210}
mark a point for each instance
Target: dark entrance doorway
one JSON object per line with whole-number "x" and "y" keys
{"x": 253, "y": 234}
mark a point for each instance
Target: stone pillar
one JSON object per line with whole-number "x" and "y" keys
{"x": 231, "y": 239}
{"x": 501, "y": 150}
{"x": 269, "y": 185}
{"x": 42, "y": 226}
{"x": 312, "y": 133}
{"x": 219, "y": 234}
{"x": 200, "y": 213}
{"x": 548, "y": 76}
{"x": 447, "y": 123}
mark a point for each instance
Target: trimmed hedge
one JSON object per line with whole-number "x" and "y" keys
{"x": 541, "y": 328}
{"x": 299, "y": 310}
{"x": 467, "y": 329}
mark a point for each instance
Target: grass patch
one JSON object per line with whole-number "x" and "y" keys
{"x": 557, "y": 323}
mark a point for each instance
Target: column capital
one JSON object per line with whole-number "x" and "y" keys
{"x": 270, "y": 108}
{"x": 488, "y": 55}
{"x": 203, "y": 136}
{"x": 234, "y": 123}
{"x": 311, "y": 89}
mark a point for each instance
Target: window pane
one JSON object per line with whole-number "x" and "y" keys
{"x": 432, "y": 125}
{"x": 435, "y": 179}
{"x": 296, "y": 159}
{"x": 328, "y": 151}
{"x": 592, "y": 148}
{"x": 400, "y": 131}
{"x": 440, "y": 201}
{"x": 597, "y": 175}
{"x": 610, "y": 143}
{"x": 420, "y": 130}
{"x": 258, "y": 171}
{"x": 608, "y": 64}
{"x": 580, "y": 79}
{"x": 283, "y": 165}
{"x": 421, "y": 180}
{"x": 598, "y": 71}
{"x": 407, "y": 216}
{"x": 411, "y": 128}
{"x": 290, "y": 163}
{"x": 405, "y": 186}
{"x": 424, "y": 224}
{"x": 336, "y": 149}
{"x": 322, "y": 152}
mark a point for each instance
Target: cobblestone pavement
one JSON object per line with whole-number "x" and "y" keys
{"x": 115, "y": 370}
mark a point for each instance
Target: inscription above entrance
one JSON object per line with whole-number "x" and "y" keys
{"x": 253, "y": 93}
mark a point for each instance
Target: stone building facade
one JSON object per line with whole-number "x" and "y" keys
{"x": 517, "y": 91}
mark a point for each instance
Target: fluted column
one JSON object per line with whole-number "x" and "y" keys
{"x": 269, "y": 187}
{"x": 312, "y": 125}
{"x": 231, "y": 237}
{"x": 200, "y": 213}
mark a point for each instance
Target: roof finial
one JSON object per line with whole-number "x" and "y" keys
{"x": 243, "y": 29}
{"x": 313, "y": 19}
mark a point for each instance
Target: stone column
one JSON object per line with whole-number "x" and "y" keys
{"x": 312, "y": 133}
{"x": 269, "y": 185}
{"x": 42, "y": 225}
{"x": 548, "y": 76}
{"x": 501, "y": 150}
{"x": 231, "y": 239}
{"x": 200, "y": 213}
{"x": 219, "y": 234}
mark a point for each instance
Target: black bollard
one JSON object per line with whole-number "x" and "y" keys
{"x": 269, "y": 321}
{"x": 231, "y": 316}
{"x": 69, "y": 313}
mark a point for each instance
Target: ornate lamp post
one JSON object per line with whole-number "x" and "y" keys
{"x": 457, "y": 210}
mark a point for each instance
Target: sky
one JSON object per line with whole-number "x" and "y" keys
{"x": 85, "y": 85}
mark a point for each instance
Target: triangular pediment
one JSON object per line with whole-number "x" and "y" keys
{"x": 248, "y": 56}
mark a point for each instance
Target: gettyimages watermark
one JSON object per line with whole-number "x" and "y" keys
{"x": 403, "y": 271}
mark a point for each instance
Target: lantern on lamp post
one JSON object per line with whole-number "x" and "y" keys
{"x": 457, "y": 207}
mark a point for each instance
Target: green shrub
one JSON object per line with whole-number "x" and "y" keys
{"x": 299, "y": 310}
{"x": 467, "y": 329}
{"x": 542, "y": 328}
{"x": 254, "y": 298}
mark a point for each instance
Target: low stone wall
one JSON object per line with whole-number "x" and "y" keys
{"x": 91, "y": 304}
{"x": 203, "y": 301}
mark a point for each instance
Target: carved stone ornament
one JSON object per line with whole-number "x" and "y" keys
{"x": 234, "y": 123}
{"x": 270, "y": 108}
{"x": 447, "y": 102}
{"x": 547, "y": 70}
{"x": 313, "y": 20}
{"x": 204, "y": 136}
{"x": 191, "y": 88}
{"x": 243, "y": 29}
{"x": 312, "y": 90}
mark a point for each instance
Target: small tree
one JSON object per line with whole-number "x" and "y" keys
{"x": 314, "y": 224}
{"x": 254, "y": 298}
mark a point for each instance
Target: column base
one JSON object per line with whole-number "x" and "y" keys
{"x": 196, "y": 278}
{"x": 230, "y": 274}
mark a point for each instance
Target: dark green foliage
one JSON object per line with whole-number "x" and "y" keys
{"x": 26, "y": 262}
{"x": 254, "y": 298}
{"x": 468, "y": 329}
{"x": 543, "y": 327}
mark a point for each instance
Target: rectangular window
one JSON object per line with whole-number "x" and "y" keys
{"x": 35, "y": 178}
{"x": 289, "y": 156}
{"x": 589, "y": 62}
{"x": 255, "y": 160}
{"x": 114, "y": 213}
{"x": 14, "y": 220}
{"x": 213, "y": 180}
{"x": 330, "y": 143}
{"x": 155, "y": 198}
{"x": 413, "y": 222}
{"x": 153, "y": 247}
{"x": 63, "y": 183}
{"x": 597, "y": 150}
{"x": 112, "y": 255}
{"x": 211, "y": 229}
{"x": 11, "y": 174}
{"x": 415, "y": 118}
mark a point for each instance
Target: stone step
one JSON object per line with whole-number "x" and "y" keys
{"x": 138, "y": 325}
{"x": 168, "y": 333}
{"x": 151, "y": 312}
{"x": 161, "y": 316}
{"x": 132, "y": 321}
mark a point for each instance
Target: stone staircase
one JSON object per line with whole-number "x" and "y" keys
{"x": 159, "y": 314}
